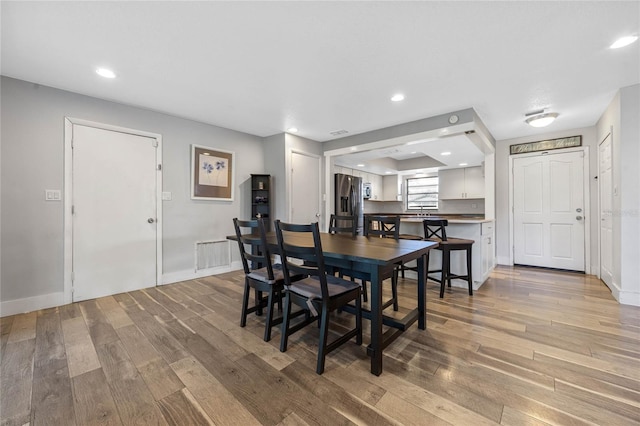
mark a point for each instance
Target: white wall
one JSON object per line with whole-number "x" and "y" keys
{"x": 32, "y": 161}
{"x": 623, "y": 115}
{"x": 502, "y": 196}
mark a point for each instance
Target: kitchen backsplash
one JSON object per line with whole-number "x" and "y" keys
{"x": 475, "y": 206}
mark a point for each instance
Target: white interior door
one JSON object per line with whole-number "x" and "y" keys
{"x": 114, "y": 212}
{"x": 548, "y": 213}
{"x": 606, "y": 210}
{"x": 305, "y": 188}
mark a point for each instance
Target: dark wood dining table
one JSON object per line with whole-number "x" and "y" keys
{"x": 376, "y": 258}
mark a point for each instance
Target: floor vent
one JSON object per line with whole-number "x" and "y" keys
{"x": 212, "y": 254}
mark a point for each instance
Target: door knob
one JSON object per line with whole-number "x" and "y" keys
{"x": 578, "y": 217}
{"x": 150, "y": 220}
{"x": 579, "y": 210}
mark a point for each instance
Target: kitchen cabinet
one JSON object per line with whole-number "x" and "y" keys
{"x": 391, "y": 188}
{"x": 456, "y": 184}
{"x": 482, "y": 252}
{"x": 488, "y": 247}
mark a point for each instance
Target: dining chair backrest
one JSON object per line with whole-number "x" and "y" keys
{"x": 343, "y": 224}
{"x": 435, "y": 228}
{"x": 256, "y": 239}
{"x": 292, "y": 248}
{"x": 385, "y": 226}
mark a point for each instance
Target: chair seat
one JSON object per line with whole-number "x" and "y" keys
{"x": 310, "y": 287}
{"x": 451, "y": 242}
{"x": 263, "y": 276}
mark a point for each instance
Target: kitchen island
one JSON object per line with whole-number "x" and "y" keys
{"x": 471, "y": 227}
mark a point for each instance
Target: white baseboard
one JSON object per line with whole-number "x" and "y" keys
{"x": 190, "y": 274}
{"x": 29, "y": 304}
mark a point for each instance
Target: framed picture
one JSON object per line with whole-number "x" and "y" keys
{"x": 212, "y": 174}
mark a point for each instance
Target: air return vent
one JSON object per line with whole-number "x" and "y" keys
{"x": 212, "y": 254}
{"x": 338, "y": 132}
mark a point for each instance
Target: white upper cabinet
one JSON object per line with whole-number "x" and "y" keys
{"x": 456, "y": 184}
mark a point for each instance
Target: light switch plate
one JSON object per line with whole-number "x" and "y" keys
{"x": 52, "y": 195}
{"x": 166, "y": 196}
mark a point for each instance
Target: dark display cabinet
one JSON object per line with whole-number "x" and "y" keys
{"x": 261, "y": 199}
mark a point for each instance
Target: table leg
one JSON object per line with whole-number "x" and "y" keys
{"x": 422, "y": 294}
{"x": 376, "y": 322}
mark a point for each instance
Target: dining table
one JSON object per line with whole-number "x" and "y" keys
{"x": 374, "y": 258}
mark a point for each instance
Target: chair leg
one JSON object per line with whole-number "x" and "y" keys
{"x": 394, "y": 289}
{"x": 245, "y": 303}
{"x": 285, "y": 322}
{"x": 270, "y": 307}
{"x": 258, "y": 297}
{"x": 469, "y": 271}
{"x": 402, "y": 269}
{"x": 364, "y": 291}
{"x": 443, "y": 273}
{"x": 324, "y": 335}
{"x": 359, "y": 321}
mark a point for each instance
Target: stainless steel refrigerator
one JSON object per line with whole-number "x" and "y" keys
{"x": 348, "y": 198}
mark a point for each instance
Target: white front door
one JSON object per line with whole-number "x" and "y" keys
{"x": 606, "y": 211}
{"x": 548, "y": 211}
{"x": 114, "y": 212}
{"x": 305, "y": 188}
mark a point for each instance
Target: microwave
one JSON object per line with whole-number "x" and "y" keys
{"x": 366, "y": 190}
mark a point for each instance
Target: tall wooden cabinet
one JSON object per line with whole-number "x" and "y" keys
{"x": 261, "y": 199}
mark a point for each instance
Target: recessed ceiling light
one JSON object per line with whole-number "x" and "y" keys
{"x": 387, "y": 173}
{"x": 106, "y": 73}
{"x": 623, "y": 41}
{"x": 292, "y": 130}
{"x": 445, "y": 153}
{"x": 413, "y": 152}
{"x": 354, "y": 148}
{"x": 397, "y": 97}
{"x": 541, "y": 120}
{"x": 360, "y": 165}
{"x": 462, "y": 164}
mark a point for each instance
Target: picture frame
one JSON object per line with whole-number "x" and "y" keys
{"x": 212, "y": 173}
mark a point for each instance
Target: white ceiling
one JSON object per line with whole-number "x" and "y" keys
{"x": 262, "y": 67}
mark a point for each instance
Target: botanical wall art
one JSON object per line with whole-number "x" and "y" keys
{"x": 212, "y": 173}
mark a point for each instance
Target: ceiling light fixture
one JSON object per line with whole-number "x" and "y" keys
{"x": 106, "y": 73}
{"x": 445, "y": 153}
{"x": 397, "y": 97}
{"x": 292, "y": 130}
{"x": 387, "y": 173}
{"x": 541, "y": 120}
{"x": 623, "y": 41}
{"x": 360, "y": 165}
{"x": 463, "y": 164}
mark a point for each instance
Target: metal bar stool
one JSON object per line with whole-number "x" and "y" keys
{"x": 435, "y": 230}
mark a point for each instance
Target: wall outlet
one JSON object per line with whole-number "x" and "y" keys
{"x": 166, "y": 196}
{"x": 474, "y": 205}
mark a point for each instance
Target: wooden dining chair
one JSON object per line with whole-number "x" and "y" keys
{"x": 259, "y": 273}
{"x": 435, "y": 230}
{"x": 318, "y": 294}
{"x": 343, "y": 225}
{"x": 385, "y": 227}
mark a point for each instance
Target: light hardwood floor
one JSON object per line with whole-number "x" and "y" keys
{"x": 530, "y": 347}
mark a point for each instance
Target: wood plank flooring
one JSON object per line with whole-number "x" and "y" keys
{"x": 531, "y": 347}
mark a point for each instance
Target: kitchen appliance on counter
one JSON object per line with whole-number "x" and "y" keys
{"x": 349, "y": 198}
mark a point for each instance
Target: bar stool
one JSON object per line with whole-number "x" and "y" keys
{"x": 434, "y": 230}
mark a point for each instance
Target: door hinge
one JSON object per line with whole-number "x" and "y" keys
{"x": 155, "y": 143}
{"x": 73, "y": 209}
{"x": 159, "y": 166}
{"x": 73, "y": 278}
